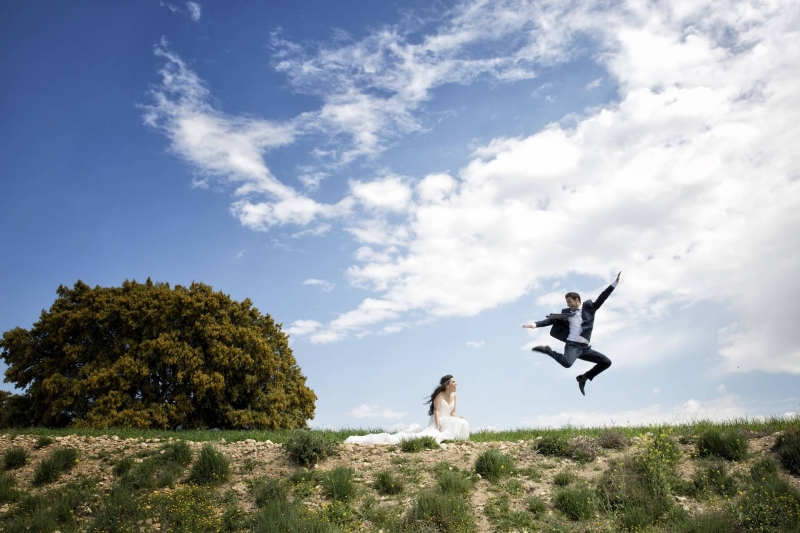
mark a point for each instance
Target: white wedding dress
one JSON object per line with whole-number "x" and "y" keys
{"x": 452, "y": 428}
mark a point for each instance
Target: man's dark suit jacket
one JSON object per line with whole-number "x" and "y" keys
{"x": 560, "y": 329}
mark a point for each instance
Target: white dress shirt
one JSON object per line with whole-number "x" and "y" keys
{"x": 575, "y": 321}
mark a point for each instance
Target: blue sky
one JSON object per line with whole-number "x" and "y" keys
{"x": 403, "y": 185}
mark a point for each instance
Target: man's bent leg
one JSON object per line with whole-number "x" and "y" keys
{"x": 566, "y": 359}
{"x": 593, "y": 356}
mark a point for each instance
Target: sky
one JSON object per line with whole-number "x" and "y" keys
{"x": 403, "y": 185}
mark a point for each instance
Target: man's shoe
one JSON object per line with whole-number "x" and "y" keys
{"x": 544, "y": 349}
{"x": 581, "y": 383}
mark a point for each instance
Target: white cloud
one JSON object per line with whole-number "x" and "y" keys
{"x": 688, "y": 184}
{"x": 303, "y": 327}
{"x": 594, "y": 84}
{"x": 722, "y": 389}
{"x": 326, "y": 286}
{"x": 318, "y": 231}
{"x": 475, "y": 344}
{"x": 240, "y": 254}
{"x": 194, "y": 10}
{"x": 375, "y": 411}
{"x": 722, "y": 408}
{"x": 389, "y": 193}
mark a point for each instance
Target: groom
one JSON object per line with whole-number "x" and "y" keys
{"x": 574, "y": 327}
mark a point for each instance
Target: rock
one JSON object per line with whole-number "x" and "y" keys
{"x": 444, "y": 446}
{"x": 250, "y": 441}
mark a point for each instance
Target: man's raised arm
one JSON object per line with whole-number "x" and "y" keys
{"x": 606, "y": 293}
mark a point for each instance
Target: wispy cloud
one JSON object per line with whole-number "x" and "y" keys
{"x": 303, "y": 327}
{"x": 594, "y": 84}
{"x": 326, "y": 286}
{"x": 375, "y": 411}
{"x": 240, "y": 254}
{"x": 475, "y": 344}
{"x": 194, "y": 10}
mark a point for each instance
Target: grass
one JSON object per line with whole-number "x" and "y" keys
{"x": 535, "y": 506}
{"x": 562, "y": 479}
{"x": 338, "y": 484}
{"x": 728, "y": 444}
{"x": 712, "y": 478}
{"x": 769, "y": 504}
{"x": 211, "y": 467}
{"x": 612, "y": 439}
{"x": 788, "y": 448}
{"x": 577, "y": 503}
{"x": 386, "y": 483}
{"x": 8, "y": 492}
{"x": 43, "y": 442}
{"x": 505, "y": 518}
{"x": 283, "y": 517}
{"x": 453, "y": 482}
{"x": 15, "y": 457}
{"x": 446, "y": 513}
{"x": 307, "y": 448}
{"x": 419, "y": 444}
{"x": 494, "y": 465}
{"x": 54, "y": 510}
{"x": 58, "y": 462}
{"x": 268, "y": 490}
{"x": 186, "y": 509}
{"x": 303, "y": 482}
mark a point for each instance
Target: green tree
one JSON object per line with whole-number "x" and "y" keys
{"x": 145, "y": 355}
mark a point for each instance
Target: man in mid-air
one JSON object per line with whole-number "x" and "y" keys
{"x": 573, "y": 326}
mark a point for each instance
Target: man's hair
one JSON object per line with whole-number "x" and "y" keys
{"x": 573, "y": 295}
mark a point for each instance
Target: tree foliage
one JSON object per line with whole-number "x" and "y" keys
{"x": 148, "y": 356}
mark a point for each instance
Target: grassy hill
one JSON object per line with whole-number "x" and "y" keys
{"x": 697, "y": 478}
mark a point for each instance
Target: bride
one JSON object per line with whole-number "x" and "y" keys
{"x": 443, "y": 423}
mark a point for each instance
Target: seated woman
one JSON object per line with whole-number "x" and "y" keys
{"x": 443, "y": 423}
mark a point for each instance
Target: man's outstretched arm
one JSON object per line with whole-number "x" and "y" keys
{"x": 539, "y": 324}
{"x": 606, "y": 293}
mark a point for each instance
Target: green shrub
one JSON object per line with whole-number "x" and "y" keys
{"x": 269, "y": 489}
{"x": 612, "y": 439}
{"x": 176, "y": 452}
{"x": 577, "y": 503}
{"x": 788, "y": 448}
{"x": 535, "y": 506}
{"x": 504, "y": 518}
{"x": 711, "y": 522}
{"x": 15, "y": 457}
{"x": 562, "y": 479}
{"x": 493, "y": 465}
{"x": 186, "y": 509}
{"x": 339, "y": 513}
{"x": 419, "y": 444}
{"x": 338, "y": 483}
{"x": 303, "y": 482}
{"x": 211, "y": 467}
{"x": 7, "y": 491}
{"x": 123, "y": 466}
{"x": 43, "y": 441}
{"x": 713, "y": 477}
{"x": 387, "y": 483}
{"x": 284, "y": 517}
{"x": 50, "y": 511}
{"x": 762, "y": 470}
{"x": 553, "y": 445}
{"x": 636, "y": 491}
{"x": 435, "y": 511}
{"x": 59, "y": 461}
{"x": 725, "y": 443}
{"x": 307, "y": 448}
{"x": 455, "y": 483}
{"x": 119, "y": 511}
{"x": 770, "y": 505}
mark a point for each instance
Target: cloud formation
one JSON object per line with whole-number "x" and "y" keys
{"x": 375, "y": 411}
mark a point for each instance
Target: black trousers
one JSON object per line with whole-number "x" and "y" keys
{"x": 577, "y": 350}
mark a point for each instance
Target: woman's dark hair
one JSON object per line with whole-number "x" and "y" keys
{"x": 442, "y": 386}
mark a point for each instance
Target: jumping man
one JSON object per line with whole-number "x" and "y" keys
{"x": 573, "y": 326}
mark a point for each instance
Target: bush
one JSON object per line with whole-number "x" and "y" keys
{"x": 284, "y": 517}
{"x": 440, "y": 512}
{"x": 553, "y": 445}
{"x": 713, "y": 477}
{"x": 307, "y": 448}
{"x": 712, "y": 522}
{"x": 211, "y": 467}
{"x": 637, "y": 492}
{"x": 187, "y": 509}
{"x": 763, "y": 470}
{"x": 59, "y": 461}
{"x": 15, "y": 457}
{"x": 303, "y": 482}
{"x": 268, "y": 490}
{"x": 577, "y": 503}
{"x": 535, "y": 506}
{"x": 7, "y": 492}
{"x": 123, "y": 466}
{"x": 453, "y": 483}
{"x": 43, "y": 442}
{"x": 494, "y": 465}
{"x": 418, "y": 444}
{"x": 387, "y": 483}
{"x": 788, "y": 448}
{"x": 338, "y": 484}
{"x": 562, "y": 479}
{"x": 119, "y": 512}
{"x": 769, "y": 505}
{"x": 612, "y": 439}
{"x": 728, "y": 444}
{"x": 176, "y": 452}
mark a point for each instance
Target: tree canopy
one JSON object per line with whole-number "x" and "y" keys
{"x": 149, "y": 356}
